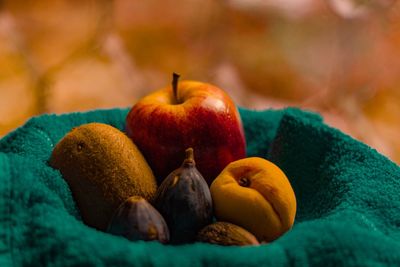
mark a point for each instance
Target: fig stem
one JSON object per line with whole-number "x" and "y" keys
{"x": 189, "y": 156}
{"x": 175, "y": 79}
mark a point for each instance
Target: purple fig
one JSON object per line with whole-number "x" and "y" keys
{"x": 184, "y": 200}
{"x": 137, "y": 219}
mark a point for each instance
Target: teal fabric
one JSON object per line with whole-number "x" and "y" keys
{"x": 348, "y": 199}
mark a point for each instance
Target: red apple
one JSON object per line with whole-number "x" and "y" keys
{"x": 189, "y": 114}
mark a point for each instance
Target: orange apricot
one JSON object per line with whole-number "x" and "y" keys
{"x": 255, "y": 194}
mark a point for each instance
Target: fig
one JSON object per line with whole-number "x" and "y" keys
{"x": 103, "y": 168}
{"x": 184, "y": 200}
{"x": 137, "y": 219}
{"x": 226, "y": 234}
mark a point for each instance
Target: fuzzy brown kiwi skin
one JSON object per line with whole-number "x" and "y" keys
{"x": 226, "y": 234}
{"x": 103, "y": 168}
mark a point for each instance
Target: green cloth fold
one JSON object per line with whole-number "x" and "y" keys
{"x": 348, "y": 198}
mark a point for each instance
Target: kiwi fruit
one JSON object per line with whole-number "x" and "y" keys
{"x": 103, "y": 168}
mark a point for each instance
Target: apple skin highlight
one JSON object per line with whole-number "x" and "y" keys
{"x": 202, "y": 117}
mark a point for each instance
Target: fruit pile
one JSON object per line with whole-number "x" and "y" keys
{"x": 131, "y": 185}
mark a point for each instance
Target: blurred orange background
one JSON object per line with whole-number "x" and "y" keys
{"x": 340, "y": 58}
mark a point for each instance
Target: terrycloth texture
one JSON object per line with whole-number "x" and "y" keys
{"x": 348, "y": 199}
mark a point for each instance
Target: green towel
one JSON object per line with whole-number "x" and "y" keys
{"x": 348, "y": 199}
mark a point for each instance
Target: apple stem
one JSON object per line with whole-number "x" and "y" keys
{"x": 175, "y": 79}
{"x": 189, "y": 156}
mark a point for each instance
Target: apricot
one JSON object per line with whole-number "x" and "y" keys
{"x": 255, "y": 194}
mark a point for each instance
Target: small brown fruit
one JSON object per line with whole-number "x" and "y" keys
{"x": 226, "y": 234}
{"x": 103, "y": 168}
